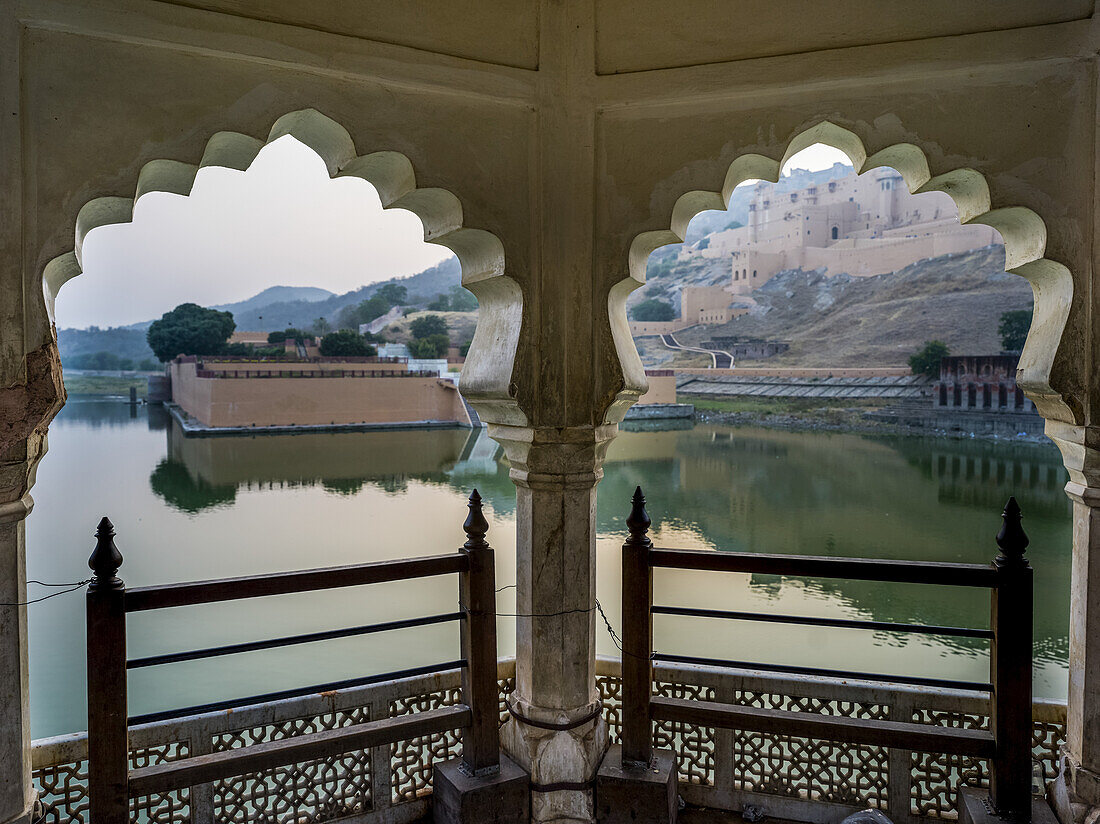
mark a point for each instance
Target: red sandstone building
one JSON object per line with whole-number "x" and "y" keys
{"x": 981, "y": 383}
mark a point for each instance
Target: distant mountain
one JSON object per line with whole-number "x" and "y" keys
{"x": 276, "y": 307}
{"x": 276, "y": 294}
{"x": 422, "y": 287}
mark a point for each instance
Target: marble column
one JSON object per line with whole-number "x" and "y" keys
{"x": 1078, "y": 788}
{"x": 17, "y": 793}
{"x": 556, "y": 731}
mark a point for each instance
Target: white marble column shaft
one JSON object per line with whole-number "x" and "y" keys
{"x": 556, "y": 472}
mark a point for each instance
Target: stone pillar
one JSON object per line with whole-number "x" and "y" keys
{"x": 1079, "y": 783}
{"x": 556, "y": 731}
{"x": 17, "y": 793}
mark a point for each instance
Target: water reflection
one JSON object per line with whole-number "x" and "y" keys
{"x": 191, "y": 508}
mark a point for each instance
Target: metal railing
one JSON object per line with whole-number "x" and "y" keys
{"x": 312, "y": 373}
{"x": 1007, "y": 742}
{"x": 113, "y": 782}
{"x": 790, "y": 778}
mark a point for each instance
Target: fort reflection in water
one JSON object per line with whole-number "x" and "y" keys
{"x": 191, "y": 508}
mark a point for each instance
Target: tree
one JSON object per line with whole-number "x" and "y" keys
{"x": 189, "y": 329}
{"x": 373, "y": 307}
{"x": 462, "y": 300}
{"x": 276, "y": 337}
{"x": 1013, "y": 329}
{"x": 653, "y": 309}
{"x": 348, "y": 317}
{"x": 321, "y": 326}
{"x": 926, "y": 361}
{"x": 440, "y": 304}
{"x": 393, "y": 294}
{"x": 432, "y": 346}
{"x": 345, "y": 343}
{"x": 428, "y": 325}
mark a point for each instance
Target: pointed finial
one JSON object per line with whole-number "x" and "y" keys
{"x": 1011, "y": 539}
{"x": 476, "y": 526}
{"x": 105, "y": 559}
{"x": 638, "y": 521}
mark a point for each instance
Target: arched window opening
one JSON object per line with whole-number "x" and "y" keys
{"x": 315, "y": 324}
{"x": 876, "y": 317}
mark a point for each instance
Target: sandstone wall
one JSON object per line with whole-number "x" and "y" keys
{"x": 275, "y": 401}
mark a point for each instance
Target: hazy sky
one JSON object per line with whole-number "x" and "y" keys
{"x": 283, "y": 222}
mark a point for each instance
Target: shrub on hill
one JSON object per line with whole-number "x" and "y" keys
{"x": 1013, "y": 329}
{"x": 653, "y": 310}
{"x": 927, "y": 361}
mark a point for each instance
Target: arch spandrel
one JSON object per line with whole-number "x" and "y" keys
{"x": 488, "y": 370}
{"x": 1047, "y": 372}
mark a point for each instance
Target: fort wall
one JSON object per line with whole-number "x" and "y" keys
{"x": 274, "y": 400}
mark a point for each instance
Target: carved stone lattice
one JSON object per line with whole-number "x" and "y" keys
{"x": 312, "y": 791}
{"x": 329, "y": 789}
{"x": 163, "y": 808}
{"x": 505, "y": 687}
{"x": 694, "y": 746}
{"x": 411, "y": 761}
{"x": 935, "y": 777}
{"x": 611, "y": 694}
{"x": 811, "y": 769}
{"x": 304, "y": 793}
{"x": 1046, "y": 739}
{"x": 63, "y": 790}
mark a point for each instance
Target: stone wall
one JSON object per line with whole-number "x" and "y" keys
{"x": 323, "y": 401}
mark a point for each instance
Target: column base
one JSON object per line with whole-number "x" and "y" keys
{"x": 34, "y": 814}
{"x": 974, "y": 808}
{"x": 1075, "y": 792}
{"x": 460, "y": 798}
{"x": 637, "y": 796}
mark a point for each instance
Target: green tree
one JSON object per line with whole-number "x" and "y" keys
{"x": 431, "y": 346}
{"x": 373, "y": 307}
{"x": 345, "y": 343}
{"x": 462, "y": 300}
{"x": 348, "y": 317}
{"x": 393, "y": 294}
{"x": 440, "y": 304}
{"x": 276, "y": 337}
{"x": 321, "y": 326}
{"x": 653, "y": 309}
{"x": 1013, "y": 329}
{"x": 428, "y": 325}
{"x": 926, "y": 361}
{"x": 189, "y": 329}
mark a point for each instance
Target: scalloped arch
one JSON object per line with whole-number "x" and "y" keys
{"x": 488, "y": 369}
{"x": 1023, "y": 231}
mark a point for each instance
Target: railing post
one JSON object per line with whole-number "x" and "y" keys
{"x": 1010, "y": 670}
{"x": 481, "y": 741}
{"x": 637, "y": 737}
{"x": 108, "y": 749}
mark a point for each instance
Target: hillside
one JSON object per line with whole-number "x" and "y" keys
{"x": 276, "y": 307}
{"x": 275, "y": 294}
{"x": 847, "y": 321}
{"x": 281, "y": 314}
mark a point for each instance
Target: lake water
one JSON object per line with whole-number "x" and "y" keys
{"x": 189, "y": 509}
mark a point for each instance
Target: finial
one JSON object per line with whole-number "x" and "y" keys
{"x": 638, "y": 521}
{"x": 1011, "y": 539}
{"x": 105, "y": 559}
{"x": 476, "y": 526}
